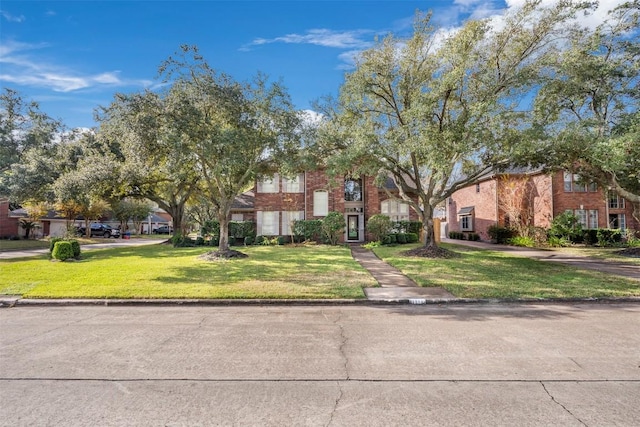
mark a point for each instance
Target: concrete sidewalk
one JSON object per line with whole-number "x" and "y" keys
{"x": 394, "y": 286}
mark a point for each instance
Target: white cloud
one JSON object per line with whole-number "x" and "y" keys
{"x": 321, "y": 37}
{"x": 11, "y": 18}
{"x": 310, "y": 117}
{"x": 21, "y": 66}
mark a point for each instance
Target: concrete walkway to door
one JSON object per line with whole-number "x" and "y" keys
{"x": 394, "y": 286}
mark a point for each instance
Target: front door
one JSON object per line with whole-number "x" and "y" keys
{"x": 353, "y": 227}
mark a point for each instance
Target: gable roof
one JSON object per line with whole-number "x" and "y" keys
{"x": 245, "y": 201}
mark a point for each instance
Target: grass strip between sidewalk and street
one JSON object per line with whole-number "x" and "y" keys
{"x": 481, "y": 273}
{"x": 162, "y": 271}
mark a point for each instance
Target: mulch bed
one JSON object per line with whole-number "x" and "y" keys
{"x": 431, "y": 252}
{"x": 222, "y": 255}
{"x": 632, "y": 252}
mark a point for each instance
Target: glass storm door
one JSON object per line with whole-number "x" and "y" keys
{"x": 353, "y": 227}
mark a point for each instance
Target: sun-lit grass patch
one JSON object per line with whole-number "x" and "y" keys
{"x": 161, "y": 271}
{"x": 488, "y": 274}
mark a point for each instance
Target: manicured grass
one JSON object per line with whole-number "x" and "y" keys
{"x": 161, "y": 271}
{"x": 16, "y": 245}
{"x": 487, "y": 274}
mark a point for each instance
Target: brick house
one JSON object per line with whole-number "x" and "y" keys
{"x": 313, "y": 194}
{"x": 537, "y": 197}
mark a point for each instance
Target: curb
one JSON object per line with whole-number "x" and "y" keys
{"x": 12, "y": 302}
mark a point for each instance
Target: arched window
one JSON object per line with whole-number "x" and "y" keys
{"x": 352, "y": 190}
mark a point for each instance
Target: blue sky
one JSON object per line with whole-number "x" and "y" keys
{"x": 72, "y": 56}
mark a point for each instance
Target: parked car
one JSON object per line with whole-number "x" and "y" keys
{"x": 99, "y": 229}
{"x": 163, "y": 229}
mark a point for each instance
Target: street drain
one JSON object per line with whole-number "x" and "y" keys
{"x": 417, "y": 301}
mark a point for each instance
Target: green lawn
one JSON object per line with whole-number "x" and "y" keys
{"x": 161, "y": 271}
{"x": 17, "y": 245}
{"x": 488, "y": 274}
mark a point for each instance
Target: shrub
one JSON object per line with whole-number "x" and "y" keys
{"x": 75, "y": 246}
{"x": 407, "y": 226}
{"x": 53, "y": 241}
{"x": 210, "y": 228}
{"x": 199, "y": 241}
{"x": 457, "y": 235}
{"x": 310, "y": 229}
{"x": 180, "y": 241}
{"x": 609, "y": 237}
{"x": 558, "y": 242}
{"x": 525, "y": 241}
{"x": 259, "y": 240}
{"x": 379, "y": 226}
{"x": 500, "y": 234}
{"x": 282, "y": 240}
{"x": 401, "y": 238}
{"x": 566, "y": 225}
{"x": 473, "y": 237}
{"x": 333, "y": 226}
{"x": 412, "y": 237}
{"x": 248, "y": 241}
{"x": 242, "y": 229}
{"x": 590, "y": 237}
{"x": 390, "y": 239}
{"x": 62, "y": 250}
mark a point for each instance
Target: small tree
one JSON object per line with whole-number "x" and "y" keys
{"x": 379, "y": 226}
{"x": 333, "y": 226}
{"x": 35, "y": 211}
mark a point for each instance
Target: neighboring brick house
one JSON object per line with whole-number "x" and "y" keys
{"x": 540, "y": 197}
{"x": 313, "y": 194}
{"x": 9, "y": 224}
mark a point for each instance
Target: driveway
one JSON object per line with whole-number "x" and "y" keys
{"x": 108, "y": 243}
{"x": 630, "y": 271}
{"x": 447, "y": 365}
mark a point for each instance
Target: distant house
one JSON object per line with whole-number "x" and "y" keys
{"x": 535, "y": 198}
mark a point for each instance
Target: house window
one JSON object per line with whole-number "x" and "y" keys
{"x": 466, "y": 218}
{"x": 269, "y": 185}
{"x": 466, "y": 223}
{"x": 593, "y": 218}
{"x": 294, "y": 184}
{"x": 353, "y": 190}
{"x": 574, "y": 183}
{"x": 320, "y": 203}
{"x": 618, "y": 221}
{"x": 579, "y": 186}
{"x": 616, "y": 202}
{"x": 288, "y": 217}
{"x": 237, "y": 217}
{"x": 395, "y": 209}
{"x": 588, "y": 218}
{"x": 568, "y": 179}
{"x": 581, "y": 214}
{"x": 267, "y": 223}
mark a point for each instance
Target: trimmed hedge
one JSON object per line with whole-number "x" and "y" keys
{"x": 308, "y": 229}
{"x": 62, "y": 250}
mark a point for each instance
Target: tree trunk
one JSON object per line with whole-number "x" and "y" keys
{"x": 427, "y": 227}
{"x": 223, "y": 244}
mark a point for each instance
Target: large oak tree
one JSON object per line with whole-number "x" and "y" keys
{"x": 436, "y": 111}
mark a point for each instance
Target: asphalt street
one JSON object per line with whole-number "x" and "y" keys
{"x": 426, "y": 365}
